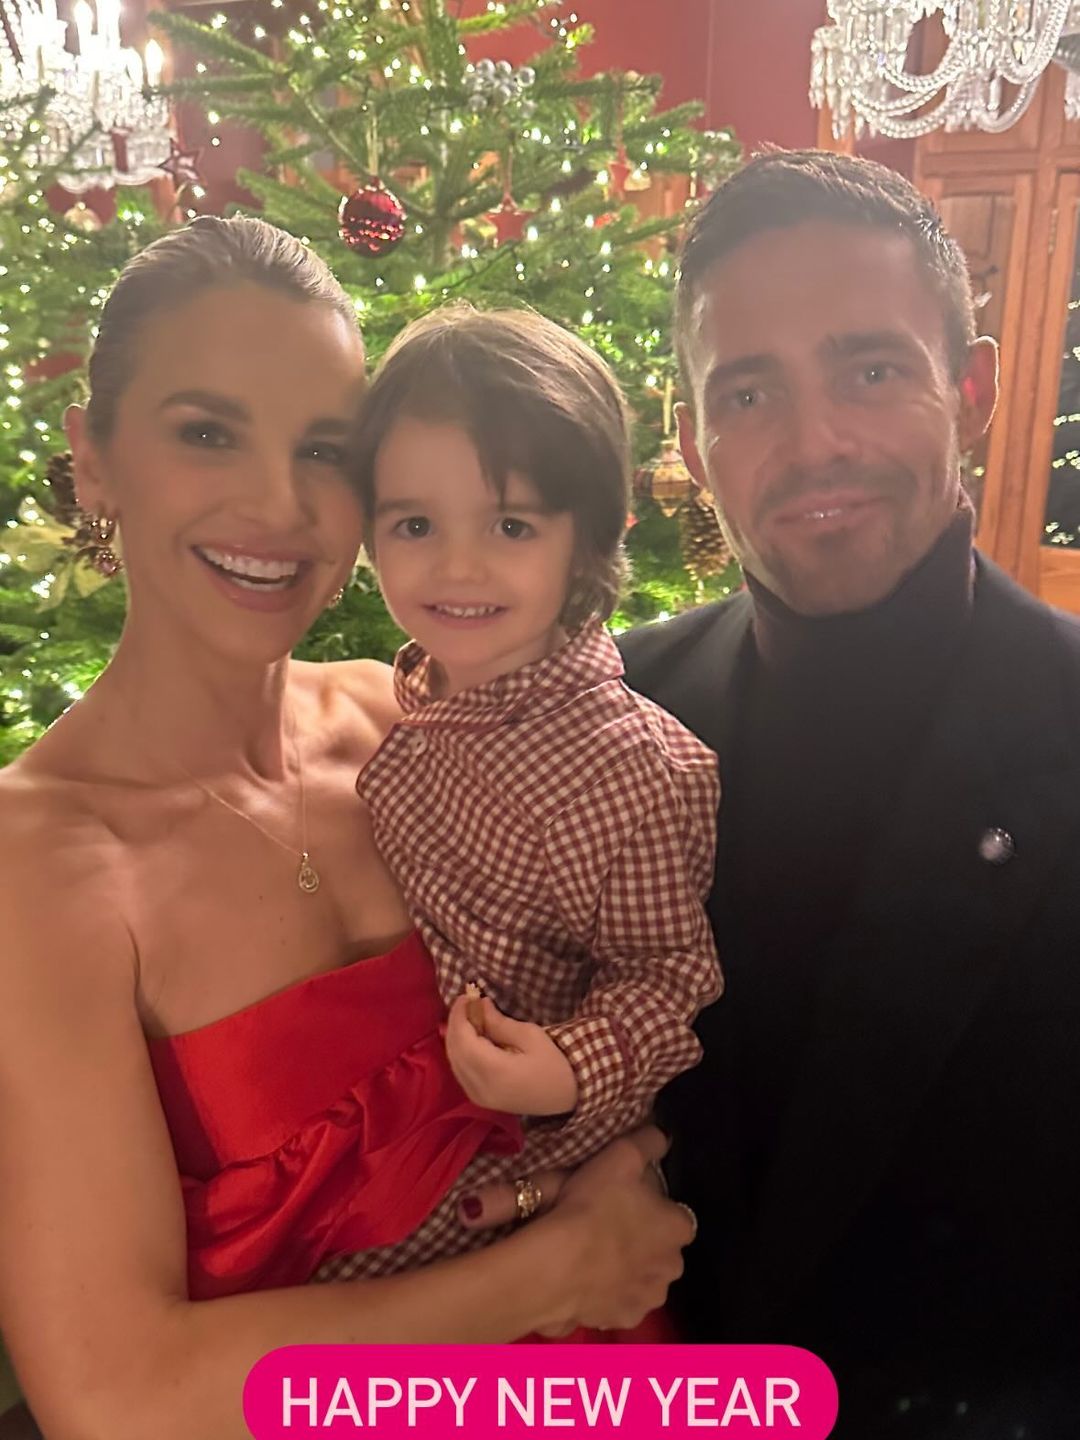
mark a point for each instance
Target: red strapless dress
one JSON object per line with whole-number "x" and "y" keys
{"x": 319, "y": 1121}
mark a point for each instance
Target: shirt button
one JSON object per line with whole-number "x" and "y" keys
{"x": 996, "y": 846}
{"x": 418, "y": 744}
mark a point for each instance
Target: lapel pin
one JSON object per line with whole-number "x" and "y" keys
{"x": 996, "y": 846}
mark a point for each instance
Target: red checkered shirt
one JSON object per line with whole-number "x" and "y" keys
{"x": 554, "y": 834}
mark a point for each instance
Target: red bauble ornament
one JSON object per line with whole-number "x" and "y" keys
{"x": 509, "y": 221}
{"x": 371, "y": 219}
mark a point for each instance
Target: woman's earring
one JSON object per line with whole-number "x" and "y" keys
{"x": 92, "y": 535}
{"x": 93, "y": 543}
{"x": 336, "y": 599}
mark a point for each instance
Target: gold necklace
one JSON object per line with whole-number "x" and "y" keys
{"x": 307, "y": 877}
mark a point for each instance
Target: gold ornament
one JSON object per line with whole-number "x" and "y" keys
{"x": 669, "y": 481}
{"x": 81, "y": 217}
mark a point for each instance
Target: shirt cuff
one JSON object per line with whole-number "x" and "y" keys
{"x": 596, "y": 1048}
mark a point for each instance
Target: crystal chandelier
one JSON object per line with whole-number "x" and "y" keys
{"x": 1068, "y": 55}
{"x": 93, "y": 115}
{"x": 995, "y": 53}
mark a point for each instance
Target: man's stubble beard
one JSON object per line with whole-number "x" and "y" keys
{"x": 859, "y": 578}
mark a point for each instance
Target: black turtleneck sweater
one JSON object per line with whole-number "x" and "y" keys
{"x": 829, "y": 713}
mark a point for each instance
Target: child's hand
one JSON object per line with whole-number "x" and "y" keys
{"x": 514, "y": 1066}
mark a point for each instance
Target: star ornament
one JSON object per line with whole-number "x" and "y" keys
{"x": 182, "y": 166}
{"x": 509, "y": 222}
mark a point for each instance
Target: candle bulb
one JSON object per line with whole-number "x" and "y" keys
{"x": 155, "y": 61}
{"x": 30, "y": 41}
{"x": 84, "y": 24}
{"x": 109, "y": 23}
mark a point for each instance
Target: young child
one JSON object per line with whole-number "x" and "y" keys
{"x": 553, "y": 832}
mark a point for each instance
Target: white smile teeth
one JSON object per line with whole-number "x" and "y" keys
{"x": 467, "y": 612}
{"x": 825, "y": 514}
{"x": 258, "y": 573}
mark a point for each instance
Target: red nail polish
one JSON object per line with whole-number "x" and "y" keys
{"x": 471, "y": 1207}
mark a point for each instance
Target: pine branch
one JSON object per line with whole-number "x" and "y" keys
{"x": 311, "y": 204}
{"x": 492, "y": 21}
{"x": 214, "y": 44}
{"x": 214, "y": 87}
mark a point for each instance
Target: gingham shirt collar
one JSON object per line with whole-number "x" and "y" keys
{"x": 586, "y": 659}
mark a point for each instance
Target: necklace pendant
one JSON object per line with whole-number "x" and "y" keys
{"x": 307, "y": 876}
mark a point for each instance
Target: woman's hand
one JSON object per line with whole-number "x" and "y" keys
{"x": 627, "y": 1238}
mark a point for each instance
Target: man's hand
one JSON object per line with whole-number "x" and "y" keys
{"x": 513, "y": 1066}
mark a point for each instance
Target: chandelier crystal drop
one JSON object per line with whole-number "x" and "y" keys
{"x": 91, "y": 110}
{"x": 995, "y": 52}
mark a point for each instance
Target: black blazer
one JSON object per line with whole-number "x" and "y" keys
{"x": 919, "y": 1223}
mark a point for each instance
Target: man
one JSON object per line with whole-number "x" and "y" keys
{"x": 882, "y": 1140}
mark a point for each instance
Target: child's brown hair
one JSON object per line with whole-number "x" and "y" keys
{"x": 534, "y": 399}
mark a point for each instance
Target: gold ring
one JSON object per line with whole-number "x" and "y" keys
{"x": 527, "y": 1197}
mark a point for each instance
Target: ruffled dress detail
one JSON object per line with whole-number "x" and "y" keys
{"x": 319, "y": 1121}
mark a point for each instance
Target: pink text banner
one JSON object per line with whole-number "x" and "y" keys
{"x": 505, "y": 1392}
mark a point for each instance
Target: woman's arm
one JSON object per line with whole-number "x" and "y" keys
{"x": 93, "y": 1298}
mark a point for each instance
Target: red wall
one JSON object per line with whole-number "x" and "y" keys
{"x": 759, "y": 69}
{"x": 747, "y": 60}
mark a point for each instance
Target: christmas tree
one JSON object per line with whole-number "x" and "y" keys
{"x": 424, "y": 167}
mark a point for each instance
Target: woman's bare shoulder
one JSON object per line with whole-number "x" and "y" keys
{"x": 35, "y": 799}
{"x": 55, "y": 845}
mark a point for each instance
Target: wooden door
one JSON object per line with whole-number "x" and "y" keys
{"x": 991, "y": 214}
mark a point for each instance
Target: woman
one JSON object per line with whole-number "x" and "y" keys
{"x": 184, "y": 854}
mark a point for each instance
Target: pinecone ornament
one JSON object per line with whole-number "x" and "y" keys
{"x": 705, "y": 551}
{"x": 60, "y": 478}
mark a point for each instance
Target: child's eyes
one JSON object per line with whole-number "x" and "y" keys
{"x": 205, "y": 434}
{"x": 413, "y": 527}
{"x": 515, "y": 529}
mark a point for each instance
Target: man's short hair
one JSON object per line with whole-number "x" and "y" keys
{"x": 777, "y": 189}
